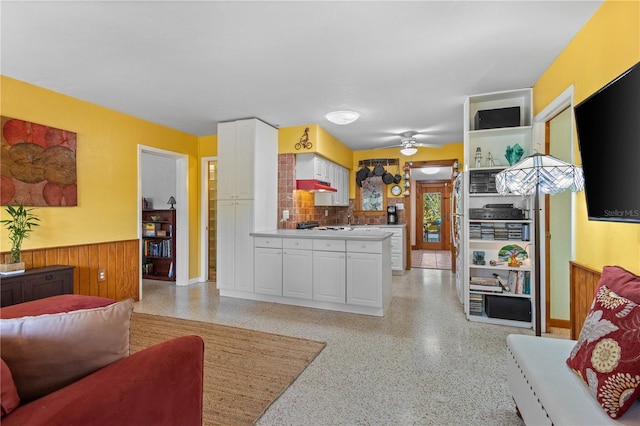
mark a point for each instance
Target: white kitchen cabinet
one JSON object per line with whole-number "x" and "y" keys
{"x": 339, "y": 178}
{"x": 398, "y": 243}
{"x": 268, "y": 271}
{"x": 364, "y": 279}
{"x": 234, "y": 242}
{"x": 247, "y": 179}
{"x": 297, "y": 270}
{"x": 329, "y": 276}
{"x": 225, "y": 244}
{"x": 365, "y": 273}
{"x": 312, "y": 166}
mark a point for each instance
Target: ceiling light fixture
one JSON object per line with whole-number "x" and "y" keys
{"x": 430, "y": 170}
{"x": 408, "y": 150}
{"x": 342, "y": 117}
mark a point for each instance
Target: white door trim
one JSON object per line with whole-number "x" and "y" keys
{"x": 563, "y": 101}
{"x": 182, "y": 211}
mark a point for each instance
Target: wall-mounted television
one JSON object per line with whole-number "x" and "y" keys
{"x": 608, "y": 124}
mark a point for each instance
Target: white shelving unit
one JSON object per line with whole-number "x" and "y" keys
{"x": 507, "y": 307}
{"x": 495, "y": 141}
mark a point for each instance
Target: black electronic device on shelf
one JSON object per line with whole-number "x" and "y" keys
{"x": 483, "y": 181}
{"x": 497, "y": 212}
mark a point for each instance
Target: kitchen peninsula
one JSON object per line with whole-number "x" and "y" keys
{"x": 345, "y": 270}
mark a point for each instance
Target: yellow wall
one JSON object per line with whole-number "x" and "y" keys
{"x": 107, "y": 164}
{"x": 208, "y": 146}
{"x": 322, "y": 143}
{"x": 605, "y": 47}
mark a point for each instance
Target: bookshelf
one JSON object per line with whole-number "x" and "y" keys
{"x": 159, "y": 245}
{"x": 494, "y": 291}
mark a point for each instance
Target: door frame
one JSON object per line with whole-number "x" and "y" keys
{"x": 555, "y": 107}
{"x": 410, "y": 200}
{"x": 445, "y": 201}
{"x": 182, "y": 207}
{"x": 204, "y": 214}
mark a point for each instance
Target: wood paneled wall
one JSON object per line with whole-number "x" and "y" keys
{"x": 120, "y": 261}
{"x": 583, "y": 283}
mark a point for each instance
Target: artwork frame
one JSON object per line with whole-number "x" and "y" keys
{"x": 38, "y": 166}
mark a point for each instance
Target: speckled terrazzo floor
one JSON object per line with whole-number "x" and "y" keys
{"x": 423, "y": 363}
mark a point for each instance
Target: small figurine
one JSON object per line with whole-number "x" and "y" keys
{"x": 478, "y": 157}
{"x": 490, "y": 162}
{"x": 514, "y": 154}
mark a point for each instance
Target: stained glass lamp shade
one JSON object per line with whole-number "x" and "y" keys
{"x": 536, "y": 174}
{"x": 544, "y": 172}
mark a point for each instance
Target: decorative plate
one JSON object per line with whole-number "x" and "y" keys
{"x": 512, "y": 252}
{"x": 396, "y": 190}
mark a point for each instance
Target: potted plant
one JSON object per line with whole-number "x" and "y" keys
{"x": 19, "y": 226}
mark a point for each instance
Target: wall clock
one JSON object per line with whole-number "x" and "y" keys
{"x": 396, "y": 190}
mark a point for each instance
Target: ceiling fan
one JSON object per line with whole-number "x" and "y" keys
{"x": 409, "y": 143}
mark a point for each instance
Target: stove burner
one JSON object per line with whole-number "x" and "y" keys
{"x": 307, "y": 225}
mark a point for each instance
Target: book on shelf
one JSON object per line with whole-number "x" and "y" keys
{"x": 520, "y": 282}
{"x": 149, "y": 229}
{"x": 476, "y": 304}
{"x": 484, "y": 280}
{"x": 487, "y": 284}
{"x": 486, "y": 288}
{"x": 157, "y": 248}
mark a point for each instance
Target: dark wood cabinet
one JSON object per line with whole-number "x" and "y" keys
{"x": 36, "y": 283}
{"x": 159, "y": 244}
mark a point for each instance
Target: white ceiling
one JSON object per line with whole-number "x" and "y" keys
{"x": 188, "y": 65}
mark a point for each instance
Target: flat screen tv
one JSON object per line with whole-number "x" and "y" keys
{"x": 608, "y": 124}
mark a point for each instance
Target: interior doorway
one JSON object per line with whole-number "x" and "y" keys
{"x": 554, "y": 286}
{"x": 432, "y": 215}
{"x": 181, "y": 206}
{"x": 559, "y": 143}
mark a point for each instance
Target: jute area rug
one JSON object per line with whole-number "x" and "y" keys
{"x": 244, "y": 370}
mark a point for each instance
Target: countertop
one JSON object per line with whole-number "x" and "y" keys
{"x": 353, "y": 234}
{"x": 373, "y": 225}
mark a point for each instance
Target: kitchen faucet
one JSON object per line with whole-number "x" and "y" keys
{"x": 348, "y": 219}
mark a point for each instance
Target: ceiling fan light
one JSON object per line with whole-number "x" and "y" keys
{"x": 408, "y": 150}
{"x": 342, "y": 117}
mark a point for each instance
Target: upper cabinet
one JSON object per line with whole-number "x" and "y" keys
{"x": 312, "y": 166}
{"x": 496, "y": 123}
{"x": 247, "y": 160}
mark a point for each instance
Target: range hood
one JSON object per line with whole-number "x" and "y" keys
{"x": 314, "y": 185}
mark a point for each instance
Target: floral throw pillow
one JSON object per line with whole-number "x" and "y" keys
{"x": 607, "y": 354}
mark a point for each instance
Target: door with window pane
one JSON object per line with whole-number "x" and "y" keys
{"x": 432, "y": 215}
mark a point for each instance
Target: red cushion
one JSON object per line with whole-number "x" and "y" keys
{"x": 54, "y": 305}
{"x": 607, "y": 354}
{"x": 160, "y": 385}
{"x": 9, "y": 398}
{"x": 622, "y": 282}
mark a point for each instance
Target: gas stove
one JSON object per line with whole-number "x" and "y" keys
{"x": 315, "y": 226}
{"x": 307, "y": 225}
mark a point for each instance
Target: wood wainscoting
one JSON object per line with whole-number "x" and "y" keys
{"x": 120, "y": 261}
{"x": 583, "y": 283}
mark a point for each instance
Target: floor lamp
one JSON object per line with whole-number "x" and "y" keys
{"x": 534, "y": 175}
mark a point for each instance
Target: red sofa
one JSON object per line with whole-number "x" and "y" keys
{"x": 160, "y": 385}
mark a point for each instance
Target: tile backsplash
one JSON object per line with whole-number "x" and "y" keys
{"x": 301, "y": 203}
